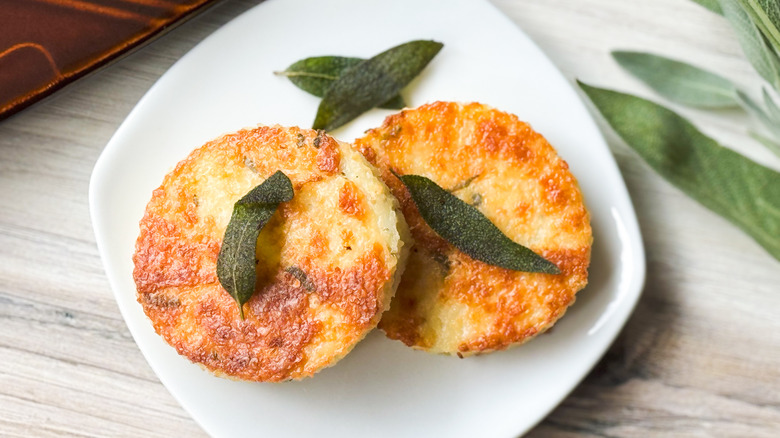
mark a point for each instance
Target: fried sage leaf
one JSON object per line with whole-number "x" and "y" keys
{"x": 373, "y": 82}
{"x": 740, "y": 190}
{"x": 236, "y": 261}
{"x": 469, "y": 230}
{"x": 679, "y": 82}
{"x": 315, "y": 75}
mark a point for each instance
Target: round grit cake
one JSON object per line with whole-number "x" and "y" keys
{"x": 329, "y": 260}
{"x": 448, "y": 302}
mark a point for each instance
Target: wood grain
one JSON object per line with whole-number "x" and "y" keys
{"x": 700, "y": 357}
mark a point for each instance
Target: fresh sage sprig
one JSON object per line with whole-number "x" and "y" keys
{"x": 754, "y": 44}
{"x": 316, "y": 74}
{"x": 756, "y": 24}
{"x": 373, "y": 82}
{"x": 237, "y": 260}
{"x": 678, "y": 81}
{"x": 766, "y": 16}
{"x": 729, "y": 184}
{"x": 763, "y": 116}
{"x": 692, "y": 86}
{"x": 742, "y": 191}
{"x": 467, "y": 229}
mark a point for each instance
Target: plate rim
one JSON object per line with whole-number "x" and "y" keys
{"x": 634, "y": 239}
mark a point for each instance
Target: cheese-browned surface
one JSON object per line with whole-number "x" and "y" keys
{"x": 327, "y": 259}
{"x": 448, "y": 302}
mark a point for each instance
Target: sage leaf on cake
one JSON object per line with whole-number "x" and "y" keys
{"x": 467, "y": 229}
{"x": 679, "y": 82}
{"x": 316, "y": 74}
{"x": 373, "y": 82}
{"x": 236, "y": 261}
{"x": 742, "y": 191}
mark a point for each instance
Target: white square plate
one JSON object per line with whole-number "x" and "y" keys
{"x": 382, "y": 389}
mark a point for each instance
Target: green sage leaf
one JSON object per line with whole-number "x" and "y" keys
{"x": 679, "y": 82}
{"x": 373, "y": 82}
{"x": 740, "y": 190}
{"x": 772, "y": 109}
{"x": 712, "y": 5}
{"x": 770, "y": 144}
{"x": 315, "y": 75}
{"x": 467, "y": 229}
{"x": 753, "y": 43}
{"x": 754, "y": 108}
{"x": 236, "y": 261}
{"x": 765, "y": 14}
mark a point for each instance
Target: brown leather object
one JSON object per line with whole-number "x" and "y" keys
{"x": 46, "y": 44}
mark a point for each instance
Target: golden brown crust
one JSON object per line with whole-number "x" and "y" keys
{"x": 351, "y": 201}
{"x": 448, "y": 302}
{"x": 316, "y": 296}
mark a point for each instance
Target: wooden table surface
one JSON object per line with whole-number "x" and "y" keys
{"x": 699, "y": 357}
